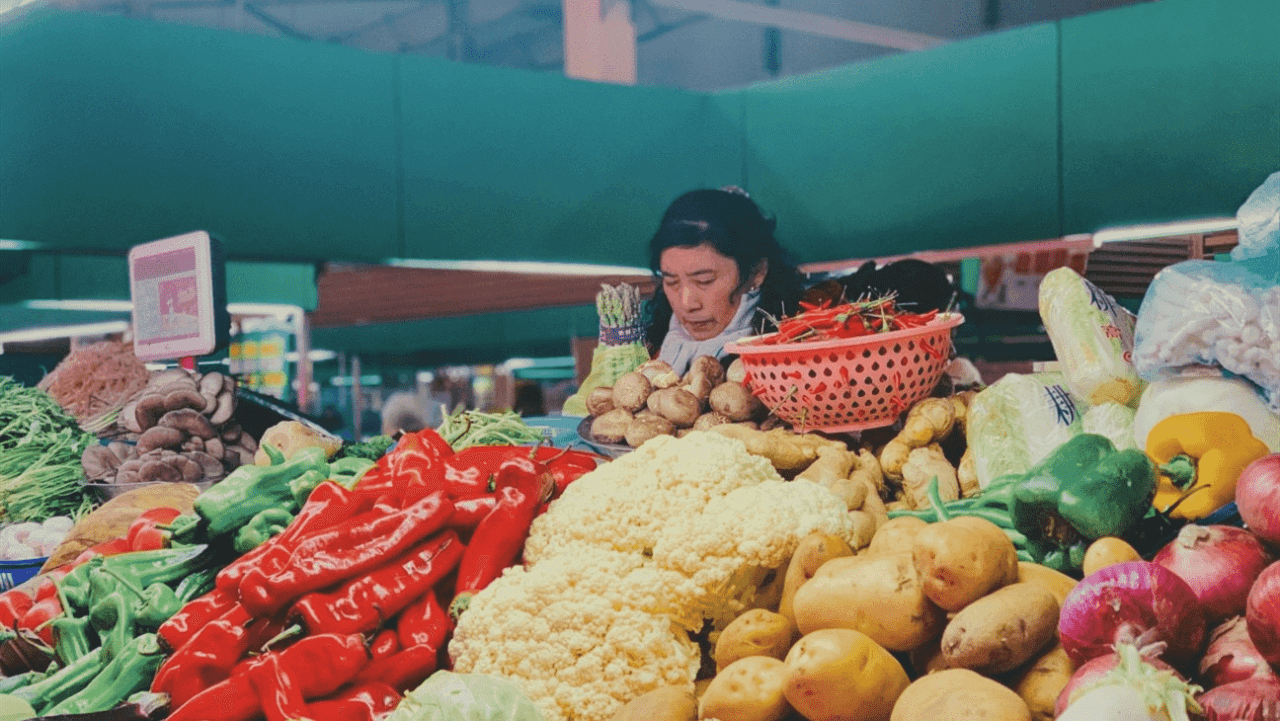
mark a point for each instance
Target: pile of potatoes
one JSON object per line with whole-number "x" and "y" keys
{"x": 931, "y": 622}
{"x": 654, "y": 400}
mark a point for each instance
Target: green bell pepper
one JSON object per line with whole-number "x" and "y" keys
{"x": 347, "y": 471}
{"x": 234, "y": 500}
{"x": 129, "y": 672}
{"x": 1083, "y": 490}
{"x": 303, "y": 485}
{"x": 261, "y": 527}
{"x": 145, "y": 568}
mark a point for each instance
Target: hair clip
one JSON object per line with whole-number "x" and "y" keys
{"x": 735, "y": 190}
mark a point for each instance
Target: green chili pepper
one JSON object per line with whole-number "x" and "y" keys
{"x": 70, "y": 637}
{"x": 348, "y": 471}
{"x": 74, "y": 587}
{"x": 262, "y": 527}
{"x": 236, "y": 499}
{"x": 51, "y": 690}
{"x": 129, "y": 672}
{"x": 113, "y": 617}
{"x": 196, "y": 584}
{"x": 1083, "y": 490}
{"x": 303, "y": 485}
{"x": 9, "y": 684}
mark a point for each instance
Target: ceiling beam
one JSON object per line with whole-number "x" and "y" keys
{"x": 806, "y": 22}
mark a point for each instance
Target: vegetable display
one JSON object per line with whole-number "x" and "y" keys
{"x": 40, "y": 447}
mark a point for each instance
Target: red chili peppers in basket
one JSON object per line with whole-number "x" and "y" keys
{"x": 823, "y": 321}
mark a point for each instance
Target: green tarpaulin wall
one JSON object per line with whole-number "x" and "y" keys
{"x": 115, "y": 131}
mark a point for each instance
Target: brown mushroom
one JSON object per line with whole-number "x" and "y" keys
{"x": 163, "y": 378}
{"x": 231, "y": 432}
{"x": 245, "y": 456}
{"x": 212, "y": 467}
{"x": 248, "y": 442}
{"x": 98, "y": 462}
{"x": 123, "y": 451}
{"x": 192, "y": 472}
{"x": 149, "y": 409}
{"x": 215, "y": 447}
{"x": 226, "y": 406}
{"x": 158, "y": 471}
{"x": 129, "y": 417}
{"x": 194, "y": 443}
{"x": 183, "y": 398}
{"x": 160, "y": 437}
{"x": 191, "y": 421}
{"x": 210, "y": 384}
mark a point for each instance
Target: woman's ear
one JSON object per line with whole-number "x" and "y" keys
{"x": 758, "y": 274}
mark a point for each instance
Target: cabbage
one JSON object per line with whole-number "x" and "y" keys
{"x": 1113, "y": 420}
{"x": 1018, "y": 420}
{"x": 448, "y": 696}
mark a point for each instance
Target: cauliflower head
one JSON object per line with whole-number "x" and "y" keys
{"x": 576, "y": 633}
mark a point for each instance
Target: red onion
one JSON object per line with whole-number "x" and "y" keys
{"x": 1219, "y": 563}
{"x": 1262, "y": 614}
{"x": 1095, "y": 669}
{"x": 1257, "y": 699}
{"x": 1258, "y": 498}
{"x": 1231, "y": 656}
{"x": 1135, "y": 602}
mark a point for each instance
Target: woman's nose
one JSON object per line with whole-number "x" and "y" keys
{"x": 690, "y": 298}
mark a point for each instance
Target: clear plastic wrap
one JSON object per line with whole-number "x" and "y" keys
{"x": 1258, "y": 222}
{"x": 1205, "y": 390}
{"x": 1092, "y": 337}
{"x": 1205, "y": 313}
{"x": 1018, "y": 420}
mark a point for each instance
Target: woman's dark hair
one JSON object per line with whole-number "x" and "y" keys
{"x": 733, "y": 224}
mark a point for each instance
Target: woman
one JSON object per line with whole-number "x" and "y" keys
{"x": 722, "y": 273}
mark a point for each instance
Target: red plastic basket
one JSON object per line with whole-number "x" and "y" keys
{"x": 849, "y": 384}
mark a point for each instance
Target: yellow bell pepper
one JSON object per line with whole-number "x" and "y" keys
{"x": 1200, "y": 456}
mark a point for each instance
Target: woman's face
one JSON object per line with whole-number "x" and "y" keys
{"x": 703, "y": 288}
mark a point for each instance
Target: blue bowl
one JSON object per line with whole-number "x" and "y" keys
{"x": 14, "y": 573}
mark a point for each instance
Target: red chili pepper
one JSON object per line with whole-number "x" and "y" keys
{"x": 361, "y": 604}
{"x": 470, "y": 472}
{"x": 346, "y": 550}
{"x": 114, "y": 547}
{"x": 567, "y": 465}
{"x": 278, "y": 692}
{"x": 468, "y": 512}
{"x": 405, "y": 670}
{"x": 144, "y": 533}
{"x": 424, "y": 622}
{"x": 208, "y": 656}
{"x": 494, "y": 545}
{"x": 417, "y": 459}
{"x": 193, "y": 616}
{"x": 320, "y": 666}
{"x": 328, "y": 505}
{"x": 36, "y": 618}
{"x": 13, "y": 605}
{"x": 384, "y": 643}
{"x": 365, "y": 701}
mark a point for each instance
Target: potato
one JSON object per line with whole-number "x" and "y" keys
{"x": 1002, "y": 630}
{"x": 1040, "y": 683}
{"x": 958, "y": 694}
{"x": 838, "y": 674}
{"x": 646, "y": 426}
{"x": 600, "y": 400}
{"x": 1058, "y": 583}
{"x": 813, "y": 550}
{"x": 734, "y": 401}
{"x": 963, "y": 559}
{"x": 879, "y": 595}
{"x": 896, "y": 535}
{"x": 757, "y": 632}
{"x": 927, "y": 658}
{"x": 611, "y": 427}
{"x": 1107, "y": 551}
{"x": 750, "y": 689}
{"x": 676, "y": 405}
{"x": 705, "y": 373}
{"x": 736, "y": 372}
{"x": 666, "y": 703}
{"x": 707, "y": 420}
{"x": 630, "y": 391}
{"x": 660, "y": 373}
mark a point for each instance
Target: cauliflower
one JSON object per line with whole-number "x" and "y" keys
{"x": 627, "y": 562}
{"x": 576, "y": 634}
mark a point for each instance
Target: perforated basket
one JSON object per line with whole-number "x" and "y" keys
{"x": 849, "y": 384}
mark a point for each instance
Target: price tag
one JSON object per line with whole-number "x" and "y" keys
{"x": 179, "y": 292}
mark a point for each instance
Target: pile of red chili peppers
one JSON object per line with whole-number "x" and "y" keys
{"x": 344, "y": 610}
{"x": 824, "y": 321}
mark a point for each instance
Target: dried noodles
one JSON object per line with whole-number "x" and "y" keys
{"x": 96, "y": 379}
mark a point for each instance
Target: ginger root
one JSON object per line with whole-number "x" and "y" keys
{"x": 787, "y": 451}
{"x": 922, "y": 466}
{"x": 967, "y": 475}
{"x": 929, "y": 421}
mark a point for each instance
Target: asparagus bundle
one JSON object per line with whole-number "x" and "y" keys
{"x": 621, "y": 346}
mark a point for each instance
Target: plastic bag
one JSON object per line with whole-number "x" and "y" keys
{"x": 448, "y": 696}
{"x": 1205, "y": 391}
{"x": 1206, "y": 313}
{"x": 1018, "y": 420}
{"x": 1112, "y": 420}
{"x": 1092, "y": 337}
{"x": 1258, "y": 222}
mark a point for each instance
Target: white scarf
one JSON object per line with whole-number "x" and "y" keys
{"x": 679, "y": 348}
